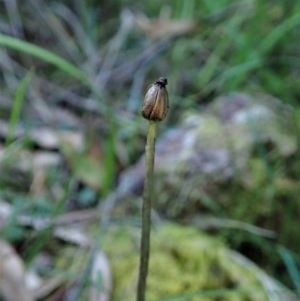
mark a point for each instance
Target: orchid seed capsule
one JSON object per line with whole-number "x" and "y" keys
{"x": 156, "y": 101}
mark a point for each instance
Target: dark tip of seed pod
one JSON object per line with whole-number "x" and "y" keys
{"x": 156, "y": 101}
{"x": 162, "y": 81}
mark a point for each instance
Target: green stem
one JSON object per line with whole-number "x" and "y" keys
{"x": 146, "y": 212}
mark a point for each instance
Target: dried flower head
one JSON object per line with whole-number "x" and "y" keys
{"x": 156, "y": 101}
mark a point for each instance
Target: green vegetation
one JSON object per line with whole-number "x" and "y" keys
{"x": 73, "y": 77}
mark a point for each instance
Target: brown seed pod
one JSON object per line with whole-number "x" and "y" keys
{"x": 156, "y": 101}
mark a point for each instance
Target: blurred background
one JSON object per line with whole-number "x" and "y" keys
{"x": 73, "y": 75}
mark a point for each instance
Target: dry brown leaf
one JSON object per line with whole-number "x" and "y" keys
{"x": 37, "y": 160}
{"x": 12, "y": 275}
{"x": 101, "y": 279}
{"x": 73, "y": 235}
{"x": 48, "y": 286}
{"x": 164, "y": 28}
{"x": 5, "y": 213}
{"x": 45, "y": 137}
{"x": 49, "y": 138}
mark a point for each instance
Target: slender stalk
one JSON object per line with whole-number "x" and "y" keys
{"x": 146, "y": 211}
{"x": 155, "y": 108}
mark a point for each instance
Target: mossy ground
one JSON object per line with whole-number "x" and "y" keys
{"x": 183, "y": 261}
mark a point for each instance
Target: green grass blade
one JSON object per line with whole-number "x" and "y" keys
{"x": 44, "y": 55}
{"x": 110, "y": 160}
{"x": 291, "y": 267}
{"x": 17, "y": 106}
{"x": 278, "y": 33}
